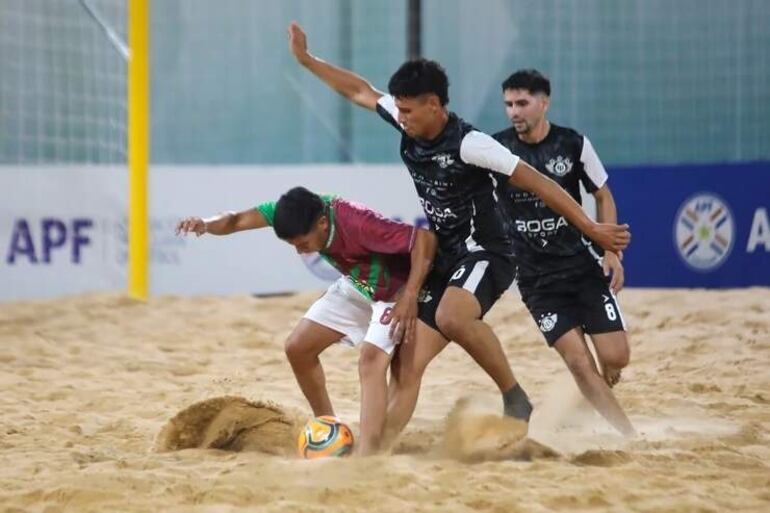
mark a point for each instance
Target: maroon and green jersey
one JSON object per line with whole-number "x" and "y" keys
{"x": 373, "y": 252}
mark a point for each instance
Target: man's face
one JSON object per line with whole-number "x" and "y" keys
{"x": 524, "y": 109}
{"x": 417, "y": 115}
{"x": 313, "y": 241}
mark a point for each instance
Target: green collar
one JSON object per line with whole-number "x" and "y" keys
{"x": 332, "y": 230}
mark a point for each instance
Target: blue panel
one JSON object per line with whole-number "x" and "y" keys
{"x": 691, "y": 225}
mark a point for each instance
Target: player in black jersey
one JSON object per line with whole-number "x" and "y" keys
{"x": 456, "y": 170}
{"x": 567, "y": 282}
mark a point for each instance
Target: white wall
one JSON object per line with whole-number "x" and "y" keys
{"x": 60, "y": 230}
{"x": 63, "y": 229}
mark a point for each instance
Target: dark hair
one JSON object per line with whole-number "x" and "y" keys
{"x": 530, "y": 79}
{"x": 296, "y": 212}
{"x": 417, "y": 77}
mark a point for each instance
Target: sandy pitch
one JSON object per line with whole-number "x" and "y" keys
{"x": 189, "y": 405}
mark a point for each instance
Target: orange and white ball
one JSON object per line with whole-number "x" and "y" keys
{"x": 325, "y": 436}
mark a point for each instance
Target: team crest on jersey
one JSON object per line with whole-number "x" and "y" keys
{"x": 547, "y": 322}
{"x": 444, "y": 160}
{"x": 704, "y": 231}
{"x": 559, "y": 166}
{"x": 424, "y": 296}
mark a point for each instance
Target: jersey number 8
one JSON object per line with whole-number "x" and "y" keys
{"x": 611, "y": 313}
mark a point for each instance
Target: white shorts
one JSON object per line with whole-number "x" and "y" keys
{"x": 344, "y": 309}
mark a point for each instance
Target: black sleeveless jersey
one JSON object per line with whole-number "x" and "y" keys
{"x": 547, "y": 247}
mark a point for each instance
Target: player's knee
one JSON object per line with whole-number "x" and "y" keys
{"x": 619, "y": 358}
{"x": 451, "y": 325}
{"x": 296, "y": 351}
{"x": 372, "y": 362}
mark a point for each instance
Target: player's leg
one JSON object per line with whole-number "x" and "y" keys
{"x": 613, "y": 352}
{"x": 376, "y": 352}
{"x": 372, "y": 370}
{"x": 558, "y": 310}
{"x": 574, "y": 351}
{"x": 337, "y": 314}
{"x": 407, "y": 370}
{"x": 305, "y": 343}
{"x": 459, "y": 318}
{"x": 604, "y": 323}
{"x": 473, "y": 287}
{"x": 372, "y": 367}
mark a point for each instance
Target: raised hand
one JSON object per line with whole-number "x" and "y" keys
{"x": 191, "y": 224}
{"x": 298, "y": 43}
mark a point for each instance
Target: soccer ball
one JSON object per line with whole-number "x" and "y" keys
{"x": 324, "y": 436}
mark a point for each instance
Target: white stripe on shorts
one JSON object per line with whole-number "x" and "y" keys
{"x": 617, "y": 307}
{"x": 479, "y": 268}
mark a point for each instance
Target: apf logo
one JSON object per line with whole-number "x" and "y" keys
{"x": 704, "y": 231}
{"x": 559, "y": 166}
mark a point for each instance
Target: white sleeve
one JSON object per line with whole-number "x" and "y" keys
{"x": 593, "y": 166}
{"x": 388, "y": 104}
{"x": 481, "y": 150}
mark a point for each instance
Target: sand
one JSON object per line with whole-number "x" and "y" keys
{"x": 189, "y": 405}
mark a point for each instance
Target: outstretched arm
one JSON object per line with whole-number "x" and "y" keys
{"x": 222, "y": 224}
{"x": 611, "y": 237}
{"x": 348, "y": 84}
{"x": 481, "y": 150}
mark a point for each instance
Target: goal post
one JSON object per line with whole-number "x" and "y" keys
{"x": 138, "y": 148}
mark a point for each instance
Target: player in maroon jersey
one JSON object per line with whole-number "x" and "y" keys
{"x": 373, "y": 305}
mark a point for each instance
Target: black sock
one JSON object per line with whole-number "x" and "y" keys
{"x": 516, "y": 403}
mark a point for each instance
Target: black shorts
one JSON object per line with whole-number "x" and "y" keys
{"x": 584, "y": 301}
{"x": 485, "y": 275}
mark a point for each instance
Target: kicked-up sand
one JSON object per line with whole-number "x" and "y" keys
{"x": 189, "y": 405}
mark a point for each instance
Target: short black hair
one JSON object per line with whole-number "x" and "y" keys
{"x": 296, "y": 213}
{"x": 417, "y": 77}
{"x": 529, "y": 79}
